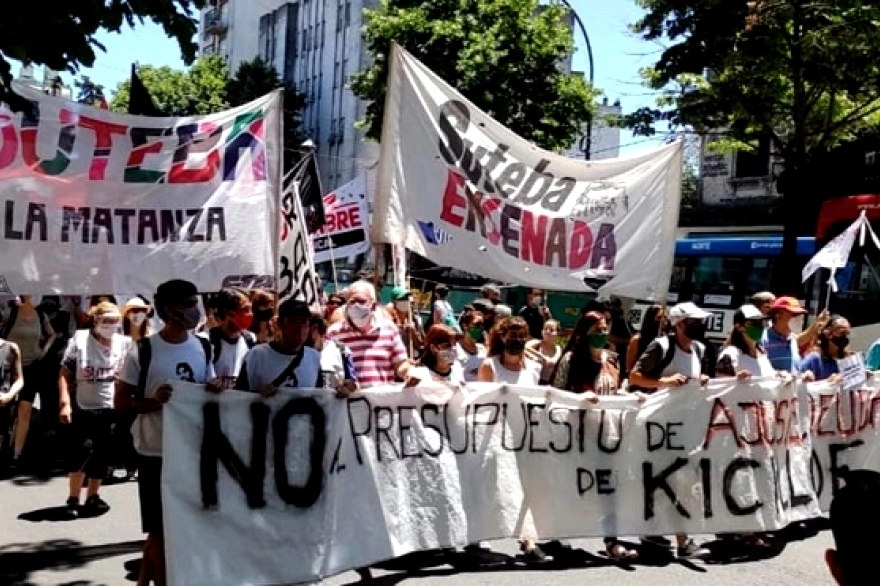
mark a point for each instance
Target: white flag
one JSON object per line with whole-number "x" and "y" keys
{"x": 835, "y": 254}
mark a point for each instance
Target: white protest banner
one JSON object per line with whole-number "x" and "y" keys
{"x": 845, "y": 433}
{"x": 460, "y": 189}
{"x": 303, "y": 485}
{"x": 94, "y": 200}
{"x": 296, "y": 262}
{"x": 348, "y": 213}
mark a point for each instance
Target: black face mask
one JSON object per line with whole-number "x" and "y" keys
{"x": 695, "y": 331}
{"x": 515, "y": 346}
{"x": 263, "y": 314}
{"x": 841, "y": 342}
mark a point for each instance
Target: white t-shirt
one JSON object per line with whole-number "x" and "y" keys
{"x": 264, "y": 364}
{"x": 228, "y": 364}
{"x": 95, "y": 368}
{"x": 185, "y": 361}
{"x": 759, "y": 367}
{"x": 470, "y": 363}
{"x": 426, "y": 375}
{"x": 686, "y": 363}
{"x": 529, "y": 375}
{"x": 332, "y": 363}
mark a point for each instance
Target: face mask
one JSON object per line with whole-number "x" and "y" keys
{"x": 840, "y": 341}
{"x": 402, "y": 306}
{"x": 359, "y": 315}
{"x": 515, "y": 346}
{"x": 137, "y": 319}
{"x": 106, "y": 331}
{"x": 476, "y": 334}
{"x": 242, "y": 321}
{"x": 537, "y": 300}
{"x": 754, "y": 333}
{"x": 695, "y": 330}
{"x": 189, "y": 318}
{"x": 598, "y": 340}
{"x": 446, "y": 355}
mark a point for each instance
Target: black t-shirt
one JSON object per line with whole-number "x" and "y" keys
{"x": 534, "y": 318}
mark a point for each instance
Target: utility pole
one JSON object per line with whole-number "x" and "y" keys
{"x": 588, "y": 139}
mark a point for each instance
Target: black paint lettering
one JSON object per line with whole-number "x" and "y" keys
{"x": 661, "y": 481}
{"x": 404, "y": 431}
{"x": 427, "y": 407}
{"x": 493, "y": 420}
{"x": 730, "y": 473}
{"x": 706, "y": 477}
{"x": 601, "y": 444}
{"x": 355, "y": 433}
{"x": 797, "y": 500}
{"x": 533, "y": 425}
{"x": 382, "y": 431}
{"x": 216, "y": 448}
{"x": 604, "y": 483}
{"x": 306, "y": 495}
{"x": 453, "y": 121}
{"x": 568, "y": 431}
{"x": 585, "y": 481}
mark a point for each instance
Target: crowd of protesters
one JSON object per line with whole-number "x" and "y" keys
{"x": 101, "y": 371}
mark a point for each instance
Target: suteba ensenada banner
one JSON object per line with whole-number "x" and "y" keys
{"x": 457, "y": 187}
{"x": 97, "y": 201}
{"x": 304, "y": 485}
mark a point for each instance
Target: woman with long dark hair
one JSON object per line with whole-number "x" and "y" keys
{"x": 833, "y": 345}
{"x": 653, "y": 326}
{"x": 506, "y": 361}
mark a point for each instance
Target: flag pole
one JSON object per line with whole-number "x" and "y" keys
{"x": 332, "y": 262}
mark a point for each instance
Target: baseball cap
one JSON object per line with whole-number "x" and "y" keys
{"x": 789, "y": 304}
{"x": 400, "y": 293}
{"x": 687, "y": 310}
{"x": 747, "y": 312}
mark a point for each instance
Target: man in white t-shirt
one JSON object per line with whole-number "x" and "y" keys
{"x": 143, "y": 387}
{"x": 286, "y": 362}
{"x": 231, "y": 340}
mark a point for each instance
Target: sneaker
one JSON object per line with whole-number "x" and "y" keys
{"x": 534, "y": 555}
{"x": 691, "y": 550}
{"x": 71, "y": 509}
{"x": 95, "y": 505}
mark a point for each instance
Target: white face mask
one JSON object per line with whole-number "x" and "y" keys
{"x": 137, "y": 319}
{"x": 359, "y": 315}
{"x": 106, "y": 331}
{"x": 446, "y": 355}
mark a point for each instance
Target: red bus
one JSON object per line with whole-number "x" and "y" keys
{"x": 858, "y": 285}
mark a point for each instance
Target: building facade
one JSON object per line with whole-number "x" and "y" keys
{"x": 605, "y": 138}
{"x": 742, "y": 177}
{"x": 316, "y": 46}
{"x": 50, "y": 82}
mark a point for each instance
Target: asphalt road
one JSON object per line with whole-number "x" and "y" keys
{"x": 36, "y": 550}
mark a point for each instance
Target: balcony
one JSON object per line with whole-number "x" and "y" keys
{"x": 214, "y": 23}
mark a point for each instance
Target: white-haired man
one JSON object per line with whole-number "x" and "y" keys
{"x": 377, "y": 349}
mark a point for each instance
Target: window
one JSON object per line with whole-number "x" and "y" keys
{"x": 336, "y": 75}
{"x": 715, "y": 278}
{"x": 347, "y": 12}
{"x": 748, "y": 164}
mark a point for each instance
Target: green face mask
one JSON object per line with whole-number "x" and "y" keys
{"x": 476, "y": 334}
{"x": 754, "y": 333}
{"x": 597, "y": 341}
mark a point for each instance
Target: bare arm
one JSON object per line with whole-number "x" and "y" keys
{"x": 486, "y": 374}
{"x": 632, "y": 352}
{"x": 126, "y": 399}
{"x": 17, "y": 371}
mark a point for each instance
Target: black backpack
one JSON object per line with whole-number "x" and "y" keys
{"x": 215, "y": 335}
{"x": 145, "y": 356}
{"x": 668, "y": 345}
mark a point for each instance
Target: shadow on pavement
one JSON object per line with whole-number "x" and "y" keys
{"x": 19, "y": 560}
{"x": 57, "y": 514}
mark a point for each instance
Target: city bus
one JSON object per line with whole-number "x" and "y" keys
{"x": 858, "y": 285}
{"x": 719, "y": 272}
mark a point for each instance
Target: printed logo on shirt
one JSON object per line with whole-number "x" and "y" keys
{"x": 185, "y": 372}
{"x": 98, "y": 374}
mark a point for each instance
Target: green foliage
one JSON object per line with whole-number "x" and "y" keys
{"x": 199, "y": 90}
{"x": 257, "y": 78}
{"x": 801, "y": 72}
{"x": 503, "y": 55}
{"x": 88, "y": 92}
{"x": 61, "y": 35}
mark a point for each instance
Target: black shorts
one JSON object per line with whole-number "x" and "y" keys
{"x": 150, "y": 492}
{"x": 90, "y": 442}
{"x": 33, "y": 380}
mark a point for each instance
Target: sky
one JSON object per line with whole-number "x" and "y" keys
{"x": 618, "y": 55}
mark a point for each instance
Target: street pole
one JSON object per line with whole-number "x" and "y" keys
{"x": 577, "y": 19}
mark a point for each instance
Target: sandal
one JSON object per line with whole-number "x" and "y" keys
{"x": 619, "y": 552}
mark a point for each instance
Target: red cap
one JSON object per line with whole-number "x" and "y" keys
{"x": 789, "y": 304}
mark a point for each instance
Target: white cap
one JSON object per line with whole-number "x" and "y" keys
{"x": 748, "y": 312}
{"x": 135, "y": 303}
{"x": 687, "y": 310}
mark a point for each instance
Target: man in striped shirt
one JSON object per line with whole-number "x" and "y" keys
{"x": 377, "y": 349}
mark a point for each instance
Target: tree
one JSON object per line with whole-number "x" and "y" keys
{"x": 89, "y": 92}
{"x": 257, "y": 78}
{"x": 199, "y": 90}
{"x": 800, "y": 74}
{"x": 63, "y": 38}
{"x": 504, "y": 55}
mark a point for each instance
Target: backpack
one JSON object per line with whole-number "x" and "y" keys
{"x": 668, "y": 345}
{"x": 215, "y": 335}
{"x": 145, "y": 356}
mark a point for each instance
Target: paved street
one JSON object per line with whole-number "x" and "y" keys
{"x": 91, "y": 552}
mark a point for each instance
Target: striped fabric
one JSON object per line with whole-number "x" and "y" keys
{"x": 375, "y": 353}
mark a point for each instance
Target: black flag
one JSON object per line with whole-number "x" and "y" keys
{"x": 311, "y": 194}
{"x": 140, "y": 102}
